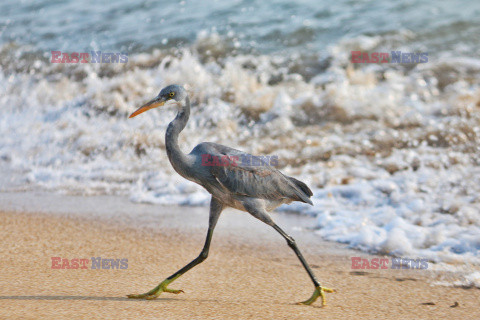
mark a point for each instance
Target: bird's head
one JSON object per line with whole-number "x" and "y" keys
{"x": 172, "y": 92}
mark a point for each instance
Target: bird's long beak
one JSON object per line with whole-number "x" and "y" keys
{"x": 155, "y": 103}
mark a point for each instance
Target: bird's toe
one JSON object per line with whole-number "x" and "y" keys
{"x": 137, "y": 296}
{"x": 319, "y": 292}
{"x": 155, "y": 292}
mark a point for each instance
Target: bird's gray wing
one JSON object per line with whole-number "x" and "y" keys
{"x": 260, "y": 181}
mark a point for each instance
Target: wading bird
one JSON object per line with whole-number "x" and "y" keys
{"x": 254, "y": 189}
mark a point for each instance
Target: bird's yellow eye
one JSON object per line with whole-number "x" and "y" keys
{"x": 171, "y": 94}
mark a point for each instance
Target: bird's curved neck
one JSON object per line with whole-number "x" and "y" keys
{"x": 177, "y": 158}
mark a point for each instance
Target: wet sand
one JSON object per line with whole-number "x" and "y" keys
{"x": 250, "y": 274}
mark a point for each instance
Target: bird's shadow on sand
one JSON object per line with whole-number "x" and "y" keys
{"x": 93, "y": 298}
{"x": 97, "y": 298}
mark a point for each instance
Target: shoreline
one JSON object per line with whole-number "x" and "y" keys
{"x": 250, "y": 274}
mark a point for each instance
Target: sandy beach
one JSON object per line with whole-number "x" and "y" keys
{"x": 369, "y": 109}
{"x": 250, "y": 274}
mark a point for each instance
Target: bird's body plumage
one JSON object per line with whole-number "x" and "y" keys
{"x": 256, "y": 189}
{"x": 236, "y": 182}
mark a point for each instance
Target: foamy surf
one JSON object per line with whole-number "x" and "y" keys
{"x": 391, "y": 153}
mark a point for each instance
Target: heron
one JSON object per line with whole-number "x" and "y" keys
{"x": 254, "y": 189}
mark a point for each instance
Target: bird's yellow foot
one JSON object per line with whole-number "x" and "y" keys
{"x": 319, "y": 292}
{"x": 155, "y": 292}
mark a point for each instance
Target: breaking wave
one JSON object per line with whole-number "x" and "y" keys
{"x": 391, "y": 151}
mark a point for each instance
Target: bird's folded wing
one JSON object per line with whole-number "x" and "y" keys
{"x": 259, "y": 182}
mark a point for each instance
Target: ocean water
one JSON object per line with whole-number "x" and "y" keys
{"x": 390, "y": 150}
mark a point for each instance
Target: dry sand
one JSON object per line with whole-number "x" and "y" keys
{"x": 251, "y": 272}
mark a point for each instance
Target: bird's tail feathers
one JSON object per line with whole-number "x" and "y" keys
{"x": 306, "y": 193}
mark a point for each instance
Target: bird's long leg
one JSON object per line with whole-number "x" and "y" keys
{"x": 319, "y": 290}
{"x": 216, "y": 208}
{"x": 257, "y": 209}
